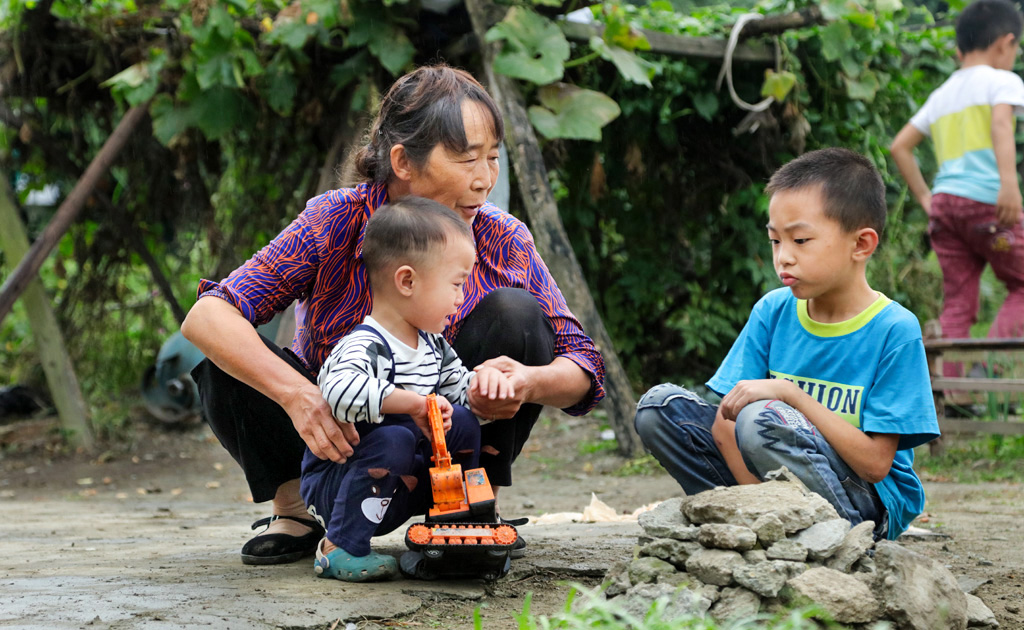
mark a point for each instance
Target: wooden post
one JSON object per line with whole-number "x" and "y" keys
{"x": 60, "y": 373}
{"x": 549, "y": 233}
{"x": 29, "y": 266}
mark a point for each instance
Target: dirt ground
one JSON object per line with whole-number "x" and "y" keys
{"x": 147, "y": 536}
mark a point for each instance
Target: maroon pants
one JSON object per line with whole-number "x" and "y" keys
{"x": 966, "y": 236}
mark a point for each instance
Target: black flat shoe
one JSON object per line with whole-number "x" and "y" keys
{"x": 281, "y": 548}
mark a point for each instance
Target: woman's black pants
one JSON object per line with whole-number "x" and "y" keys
{"x": 260, "y": 436}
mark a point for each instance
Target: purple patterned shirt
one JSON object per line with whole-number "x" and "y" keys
{"x": 316, "y": 260}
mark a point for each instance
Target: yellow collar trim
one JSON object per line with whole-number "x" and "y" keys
{"x": 838, "y": 329}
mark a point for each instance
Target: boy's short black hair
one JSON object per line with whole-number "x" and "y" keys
{"x": 851, "y": 187}
{"x": 406, "y": 231}
{"x": 985, "y": 21}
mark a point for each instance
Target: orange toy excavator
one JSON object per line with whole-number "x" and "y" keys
{"x": 461, "y": 537}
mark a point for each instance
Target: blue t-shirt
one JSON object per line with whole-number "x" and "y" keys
{"x": 870, "y": 370}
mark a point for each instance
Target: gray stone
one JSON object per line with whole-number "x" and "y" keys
{"x": 787, "y": 549}
{"x": 754, "y": 556}
{"x": 677, "y": 602}
{"x": 917, "y": 592}
{"x": 764, "y": 578}
{"x": 670, "y": 550}
{"x": 743, "y": 505}
{"x": 648, "y": 570}
{"x": 769, "y": 529}
{"x": 857, "y": 541}
{"x": 969, "y": 585}
{"x": 736, "y": 603}
{"x": 617, "y": 579}
{"x": 726, "y": 536}
{"x": 824, "y": 538}
{"x": 667, "y": 520}
{"x": 845, "y": 598}
{"x": 979, "y": 615}
{"x": 714, "y": 566}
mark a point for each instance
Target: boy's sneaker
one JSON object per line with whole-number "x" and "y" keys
{"x": 518, "y": 548}
{"x": 342, "y": 565}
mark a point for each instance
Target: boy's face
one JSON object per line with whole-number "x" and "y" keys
{"x": 438, "y": 292}
{"x": 813, "y": 255}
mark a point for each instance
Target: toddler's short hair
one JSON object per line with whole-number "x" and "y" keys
{"x": 406, "y": 231}
{"x": 851, "y": 188}
{"x": 985, "y": 21}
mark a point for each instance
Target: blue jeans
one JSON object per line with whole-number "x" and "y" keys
{"x": 675, "y": 426}
{"x": 385, "y": 482}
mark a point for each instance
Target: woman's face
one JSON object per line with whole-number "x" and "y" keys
{"x": 461, "y": 181}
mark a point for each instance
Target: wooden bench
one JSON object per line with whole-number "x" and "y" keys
{"x": 963, "y": 390}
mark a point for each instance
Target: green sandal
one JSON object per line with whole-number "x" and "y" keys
{"x": 342, "y": 565}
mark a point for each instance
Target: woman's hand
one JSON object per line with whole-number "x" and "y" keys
{"x": 746, "y": 392}
{"x": 492, "y": 376}
{"x": 312, "y": 417}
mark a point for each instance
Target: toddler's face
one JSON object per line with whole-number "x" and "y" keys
{"x": 813, "y": 256}
{"x": 438, "y": 294}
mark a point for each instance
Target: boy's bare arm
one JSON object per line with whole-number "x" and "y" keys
{"x": 870, "y": 455}
{"x": 724, "y": 433}
{"x": 1008, "y": 203}
{"x": 902, "y": 150}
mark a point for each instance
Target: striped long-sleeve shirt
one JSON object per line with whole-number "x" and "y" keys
{"x": 364, "y": 369}
{"x": 317, "y": 260}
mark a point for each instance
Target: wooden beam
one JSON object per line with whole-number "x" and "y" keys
{"x": 972, "y": 345}
{"x": 549, "y": 233}
{"x": 679, "y": 46}
{"x": 26, "y": 270}
{"x": 941, "y": 384}
{"x": 951, "y": 426}
{"x": 774, "y": 24}
{"x": 60, "y": 373}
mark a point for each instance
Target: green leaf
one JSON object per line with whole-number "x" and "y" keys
{"x": 706, "y": 104}
{"x": 888, "y": 6}
{"x": 294, "y": 34}
{"x": 777, "y": 84}
{"x": 138, "y": 83}
{"x": 219, "y": 110}
{"x": 393, "y": 49}
{"x": 168, "y": 120}
{"x": 344, "y": 73}
{"x": 280, "y": 89}
{"x": 862, "y": 88}
{"x": 572, "y": 112}
{"x": 836, "y": 40}
{"x": 863, "y": 19}
{"x": 217, "y": 70}
{"x": 534, "y": 47}
{"x": 630, "y": 66}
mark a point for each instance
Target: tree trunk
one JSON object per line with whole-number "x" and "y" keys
{"x": 549, "y": 233}
{"x": 60, "y": 373}
{"x": 27, "y": 269}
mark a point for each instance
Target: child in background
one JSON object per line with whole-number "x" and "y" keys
{"x": 974, "y": 206}
{"x": 828, "y": 376}
{"x": 418, "y": 254}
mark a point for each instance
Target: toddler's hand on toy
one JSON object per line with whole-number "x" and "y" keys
{"x": 746, "y": 392}
{"x": 422, "y": 420}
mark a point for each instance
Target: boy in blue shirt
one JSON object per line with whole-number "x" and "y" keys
{"x": 828, "y": 376}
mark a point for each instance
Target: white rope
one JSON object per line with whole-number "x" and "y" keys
{"x": 726, "y": 71}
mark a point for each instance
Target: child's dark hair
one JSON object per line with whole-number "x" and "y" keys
{"x": 985, "y": 21}
{"x": 405, "y": 232}
{"x": 851, "y": 187}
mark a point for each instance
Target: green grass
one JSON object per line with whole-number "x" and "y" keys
{"x": 989, "y": 458}
{"x": 645, "y": 465}
{"x": 584, "y": 608}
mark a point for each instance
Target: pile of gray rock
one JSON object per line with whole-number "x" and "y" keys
{"x": 736, "y": 552}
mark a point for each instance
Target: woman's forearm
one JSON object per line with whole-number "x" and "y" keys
{"x": 561, "y": 383}
{"x": 229, "y": 340}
